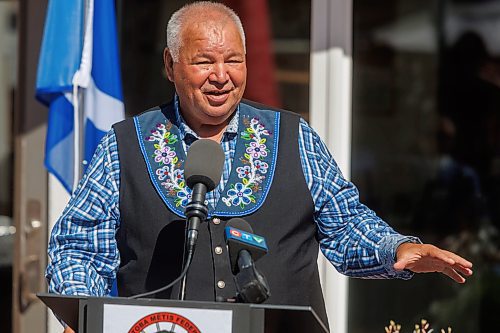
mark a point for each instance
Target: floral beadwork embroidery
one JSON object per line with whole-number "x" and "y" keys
{"x": 253, "y": 171}
{"x": 249, "y": 180}
{"x": 169, "y": 172}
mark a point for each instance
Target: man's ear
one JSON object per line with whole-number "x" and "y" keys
{"x": 169, "y": 64}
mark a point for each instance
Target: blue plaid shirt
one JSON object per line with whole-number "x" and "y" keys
{"x": 83, "y": 252}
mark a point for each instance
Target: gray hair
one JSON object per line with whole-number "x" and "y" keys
{"x": 174, "y": 26}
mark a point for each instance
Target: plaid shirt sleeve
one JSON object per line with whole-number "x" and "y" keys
{"x": 353, "y": 238}
{"x": 82, "y": 248}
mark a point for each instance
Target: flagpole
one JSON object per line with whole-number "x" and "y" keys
{"x": 76, "y": 139}
{"x": 81, "y": 79}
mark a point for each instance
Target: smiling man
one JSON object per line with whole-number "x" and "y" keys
{"x": 125, "y": 222}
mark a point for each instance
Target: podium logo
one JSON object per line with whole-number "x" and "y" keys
{"x": 164, "y": 322}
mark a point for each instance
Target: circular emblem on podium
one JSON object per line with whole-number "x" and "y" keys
{"x": 164, "y": 322}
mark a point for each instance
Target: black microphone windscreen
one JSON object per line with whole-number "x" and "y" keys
{"x": 239, "y": 223}
{"x": 204, "y": 163}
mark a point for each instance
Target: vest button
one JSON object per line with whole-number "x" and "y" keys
{"x": 216, "y": 220}
{"x": 221, "y": 284}
{"x": 218, "y": 250}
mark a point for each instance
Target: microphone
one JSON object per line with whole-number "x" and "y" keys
{"x": 202, "y": 172}
{"x": 244, "y": 249}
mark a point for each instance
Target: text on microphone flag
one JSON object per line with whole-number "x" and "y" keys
{"x": 245, "y": 237}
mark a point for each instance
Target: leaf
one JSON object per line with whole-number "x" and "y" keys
{"x": 262, "y": 141}
{"x": 242, "y": 205}
{"x": 252, "y": 198}
{"x": 250, "y": 130}
{"x": 182, "y": 184}
{"x": 247, "y": 156}
{"x": 157, "y": 146}
{"x": 166, "y": 135}
{"x": 178, "y": 203}
{"x": 245, "y": 181}
{"x": 175, "y": 159}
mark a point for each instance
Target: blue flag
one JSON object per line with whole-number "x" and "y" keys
{"x": 79, "y": 80}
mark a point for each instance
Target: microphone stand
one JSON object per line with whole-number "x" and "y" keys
{"x": 196, "y": 212}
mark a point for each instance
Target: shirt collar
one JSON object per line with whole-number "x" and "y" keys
{"x": 184, "y": 129}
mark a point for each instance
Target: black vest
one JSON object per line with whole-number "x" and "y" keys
{"x": 151, "y": 237}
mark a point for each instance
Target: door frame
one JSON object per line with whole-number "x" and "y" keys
{"x": 330, "y": 115}
{"x": 30, "y": 178}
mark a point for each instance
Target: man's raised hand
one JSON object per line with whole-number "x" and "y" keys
{"x": 425, "y": 258}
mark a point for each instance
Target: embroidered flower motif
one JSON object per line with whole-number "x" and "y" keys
{"x": 243, "y": 171}
{"x": 257, "y": 150}
{"x": 169, "y": 186}
{"x": 164, "y": 155}
{"x": 240, "y": 195}
{"x": 258, "y": 179}
{"x": 253, "y": 169}
{"x": 178, "y": 174}
{"x": 163, "y": 172}
{"x": 183, "y": 197}
{"x": 261, "y": 166}
{"x": 169, "y": 138}
{"x": 169, "y": 174}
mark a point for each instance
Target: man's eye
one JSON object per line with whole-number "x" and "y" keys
{"x": 234, "y": 61}
{"x": 202, "y": 63}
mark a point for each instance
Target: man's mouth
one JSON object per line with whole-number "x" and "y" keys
{"x": 217, "y": 92}
{"x": 217, "y": 97}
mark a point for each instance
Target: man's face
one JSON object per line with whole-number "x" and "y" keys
{"x": 210, "y": 76}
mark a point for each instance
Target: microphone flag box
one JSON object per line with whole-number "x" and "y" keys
{"x": 238, "y": 240}
{"x": 247, "y": 238}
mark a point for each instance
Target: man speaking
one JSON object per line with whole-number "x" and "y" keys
{"x": 125, "y": 222}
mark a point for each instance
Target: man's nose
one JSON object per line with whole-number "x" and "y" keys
{"x": 219, "y": 73}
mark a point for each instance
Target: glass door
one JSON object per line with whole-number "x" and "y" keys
{"x": 426, "y": 153}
